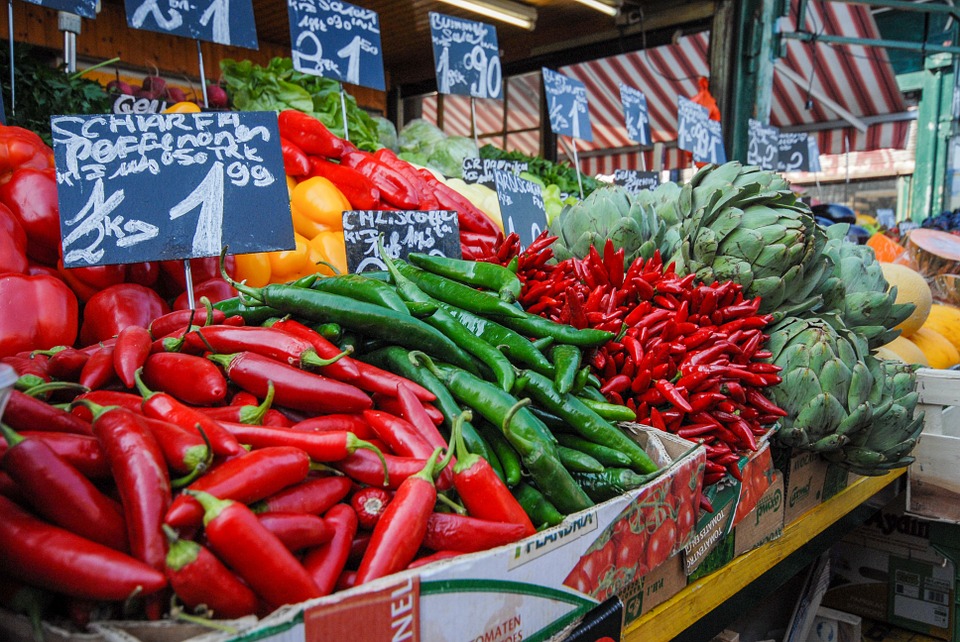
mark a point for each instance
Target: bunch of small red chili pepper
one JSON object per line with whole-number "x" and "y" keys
{"x": 688, "y": 358}
{"x": 339, "y": 485}
{"x": 380, "y": 180}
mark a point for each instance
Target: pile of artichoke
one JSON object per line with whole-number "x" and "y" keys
{"x": 828, "y": 296}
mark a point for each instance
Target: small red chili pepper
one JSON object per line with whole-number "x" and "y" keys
{"x": 247, "y": 479}
{"x": 346, "y": 422}
{"x": 253, "y": 414}
{"x": 130, "y": 352}
{"x": 66, "y": 363}
{"x": 671, "y": 394}
{"x": 313, "y": 497}
{"x": 297, "y": 531}
{"x": 98, "y": 370}
{"x": 198, "y": 577}
{"x": 60, "y": 493}
{"x": 190, "y": 379}
{"x": 106, "y": 398}
{"x": 268, "y": 342}
{"x": 325, "y": 563}
{"x": 180, "y": 320}
{"x": 365, "y": 467}
{"x": 31, "y": 368}
{"x": 391, "y": 404}
{"x": 238, "y": 538}
{"x": 184, "y": 451}
{"x": 412, "y": 410}
{"x": 758, "y": 400}
{"x": 344, "y": 369}
{"x": 452, "y": 532}
{"x": 294, "y": 388}
{"x": 369, "y": 504}
{"x": 80, "y": 451}
{"x": 160, "y": 405}
{"x": 24, "y": 412}
{"x": 328, "y": 446}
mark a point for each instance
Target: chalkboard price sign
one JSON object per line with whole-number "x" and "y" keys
{"x": 226, "y": 22}
{"x": 480, "y": 170}
{"x": 169, "y": 186}
{"x": 466, "y": 57}
{"x": 763, "y": 148}
{"x": 435, "y": 232}
{"x": 698, "y": 134}
{"x": 635, "y": 182}
{"x": 567, "y": 104}
{"x": 337, "y": 40}
{"x": 521, "y": 203}
{"x": 798, "y": 153}
{"x": 635, "y": 114}
{"x": 83, "y": 8}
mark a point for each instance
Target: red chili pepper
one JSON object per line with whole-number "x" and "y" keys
{"x": 616, "y": 384}
{"x": 65, "y": 363}
{"x": 111, "y": 310}
{"x": 428, "y": 201}
{"x": 238, "y": 538}
{"x": 191, "y": 379}
{"x": 402, "y": 527}
{"x": 198, "y": 577}
{"x": 373, "y": 379}
{"x": 369, "y": 504}
{"x": 399, "y": 434}
{"x": 183, "y": 450}
{"x": 58, "y": 560}
{"x": 365, "y": 467}
{"x": 24, "y": 412}
{"x": 246, "y": 479}
{"x": 130, "y": 352}
{"x": 325, "y": 563}
{"x": 31, "y": 370}
{"x": 392, "y": 405}
{"x": 60, "y": 493}
{"x": 99, "y": 370}
{"x": 452, "y": 532}
{"x": 328, "y": 446}
{"x": 46, "y": 313}
{"x": 355, "y": 424}
{"x": 344, "y": 369}
{"x": 309, "y": 134}
{"x": 313, "y": 497}
{"x": 359, "y": 190}
{"x": 160, "y": 405}
{"x": 180, "y": 320}
{"x": 297, "y": 531}
{"x": 294, "y": 388}
{"x": 671, "y": 394}
{"x": 295, "y": 161}
{"x": 412, "y": 410}
{"x": 80, "y": 451}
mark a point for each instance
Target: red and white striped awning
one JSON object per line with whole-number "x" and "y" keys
{"x": 858, "y": 79}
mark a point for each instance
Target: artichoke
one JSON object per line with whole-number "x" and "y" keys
{"x": 746, "y": 225}
{"x": 856, "y": 289}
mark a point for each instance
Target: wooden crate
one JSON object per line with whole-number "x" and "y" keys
{"x": 933, "y": 480}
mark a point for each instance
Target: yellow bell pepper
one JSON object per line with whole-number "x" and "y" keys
{"x": 304, "y": 225}
{"x": 329, "y": 247}
{"x": 254, "y": 269}
{"x": 319, "y": 200}
{"x": 287, "y": 265}
{"x": 291, "y": 183}
{"x": 184, "y": 107}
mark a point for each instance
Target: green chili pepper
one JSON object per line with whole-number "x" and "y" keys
{"x": 534, "y": 326}
{"x": 553, "y": 422}
{"x": 581, "y": 379}
{"x": 252, "y": 314}
{"x": 443, "y": 321}
{"x": 609, "y": 411}
{"x": 603, "y": 454}
{"x": 362, "y": 288}
{"x": 589, "y": 393}
{"x": 366, "y": 318}
{"x": 577, "y": 461}
{"x": 612, "y": 482}
{"x": 458, "y": 294}
{"x": 481, "y": 274}
{"x": 508, "y": 457}
{"x": 542, "y": 343}
{"x": 329, "y": 331}
{"x": 541, "y": 512}
{"x": 396, "y": 359}
{"x": 420, "y": 310}
{"x": 566, "y": 364}
{"x": 516, "y": 346}
{"x": 584, "y": 421}
{"x": 527, "y": 434}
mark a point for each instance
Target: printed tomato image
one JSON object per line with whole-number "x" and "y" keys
{"x": 756, "y": 480}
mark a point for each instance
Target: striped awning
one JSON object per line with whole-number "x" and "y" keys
{"x": 858, "y": 80}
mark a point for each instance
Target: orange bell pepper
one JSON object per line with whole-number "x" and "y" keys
{"x": 319, "y": 200}
{"x": 254, "y": 269}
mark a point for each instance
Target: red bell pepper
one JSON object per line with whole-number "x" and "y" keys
{"x": 13, "y": 243}
{"x": 215, "y": 289}
{"x": 40, "y": 312}
{"x": 55, "y": 559}
{"x": 61, "y": 494}
{"x": 198, "y": 577}
{"x": 111, "y": 310}
{"x": 309, "y": 134}
{"x": 324, "y": 564}
{"x": 174, "y": 279}
{"x": 87, "y": 281}
{"x": 191, "y": 379}
{"x": 21, "y": 147}
{"x": 257, "y": 555}
{"x": 31, "y": 194}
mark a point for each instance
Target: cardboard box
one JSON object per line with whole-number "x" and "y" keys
{"x": 887, "y": 570}
{"x": 653, "y": 589}
{"x": 831, "y": 625}
{"x": 808, "y": 480}
{"x": 933, "y": 480}
{"x": 529, "y": 590}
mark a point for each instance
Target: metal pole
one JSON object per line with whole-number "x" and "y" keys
{"x": 343, "y": 110}
{"x": 188, "y": 276}
{"x": 643, "y": 160}
{"x": 576, "y": 164}
{"x": 69, "y": 24}
{"x": 13, "y": 93}
{"x": 203, "y": 87}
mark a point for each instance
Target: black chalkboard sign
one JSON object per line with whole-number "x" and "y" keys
{"x": 763, "y": 149}
{"x": 480, "y": 170}
{"x": 83, "y": 8}
{"x": 697, "y": 134}
{"x": 635, "y": 181}
{"x": 169, "y": 186}
{"x": 521, "y": 204}
{"x": 466, "y": 57}
{"x": 567, "y": 105}
{"x": 337, "y": 40}
{"x": 798, "y": 153}
{"x": 635, "y": 114}
{"x": 435, "y": 232}
{"x": 226, "y": 22}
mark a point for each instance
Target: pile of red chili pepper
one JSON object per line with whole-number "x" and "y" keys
{"x": 126, "y": 474}
{"x": 688, "y": 358}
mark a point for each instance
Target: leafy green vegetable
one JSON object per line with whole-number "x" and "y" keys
{"x": 419, "y": 136}
{"x": 560, "y": 174}
{"x": 44, "y": 91}
{"x": 448, "y": 154}
{"x": 279, "y": 86}
{"x": 424, "y": 143}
